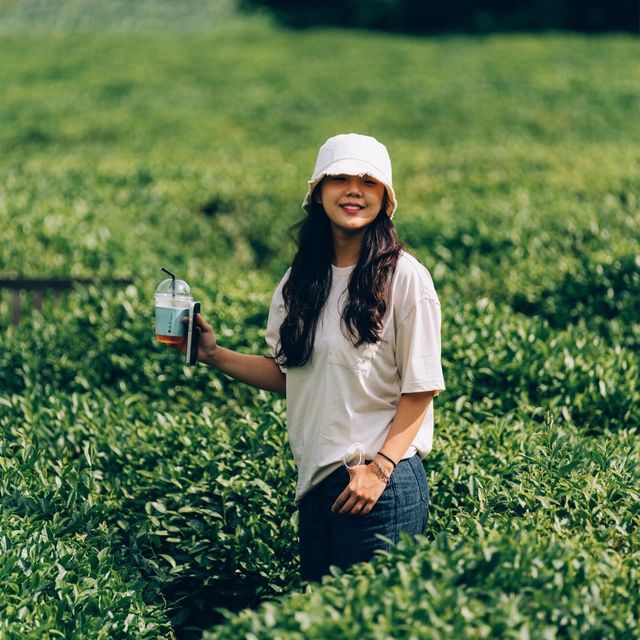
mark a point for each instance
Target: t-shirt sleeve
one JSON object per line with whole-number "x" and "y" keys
{"x": 277, "y": 314}
{"x": 418, "y": 348}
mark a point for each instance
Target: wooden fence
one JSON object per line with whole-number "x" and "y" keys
{"x": 38, "y": 286}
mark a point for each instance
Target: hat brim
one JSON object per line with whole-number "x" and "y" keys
{"x": 351, "y": 167}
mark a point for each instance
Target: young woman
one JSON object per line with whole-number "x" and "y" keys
{"x": 354, "y": 334}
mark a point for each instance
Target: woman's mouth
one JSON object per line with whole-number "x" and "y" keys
{"x": 351, "y": 207}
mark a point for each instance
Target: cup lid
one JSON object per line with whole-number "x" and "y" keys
{"x": 182, "y": 288}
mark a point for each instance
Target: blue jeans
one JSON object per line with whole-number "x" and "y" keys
{"x": 342, "y": 539}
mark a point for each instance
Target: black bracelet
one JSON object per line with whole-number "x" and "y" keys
{"x": 387, "y": 458}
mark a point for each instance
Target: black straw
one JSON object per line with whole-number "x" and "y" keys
{"x": 173, "y": 281}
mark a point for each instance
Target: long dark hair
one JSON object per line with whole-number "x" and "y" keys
{"x": 307, "y": 288}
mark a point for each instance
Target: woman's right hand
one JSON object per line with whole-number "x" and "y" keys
{"x": 208, "y": 343}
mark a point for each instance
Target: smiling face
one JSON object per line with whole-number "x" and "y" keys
{"x": 350, "y": 202}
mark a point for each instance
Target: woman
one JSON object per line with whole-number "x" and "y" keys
{"x": 354, "y": 333}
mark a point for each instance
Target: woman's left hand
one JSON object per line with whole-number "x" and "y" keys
{"x": 362, "y": 492}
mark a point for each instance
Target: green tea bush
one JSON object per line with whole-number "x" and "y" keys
{"x": 502, "y": 361}
{"x": 536, "y": 469}
{"x": 63, "y": 570}
{"x": 533, "y": 531}
{"x": 185, "y": 497}
{"x": 595, "y": 293}
{"x": 207, "y": 503}
{"x": 501, "y": 582}
{"x": 72, "y": 585}
{"x": 202, "y": 501}
{"x": 102, "y": 242}
{"x": 103, "y": 338}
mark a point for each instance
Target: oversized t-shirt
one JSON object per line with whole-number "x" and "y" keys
{"x": 346, "y": 394}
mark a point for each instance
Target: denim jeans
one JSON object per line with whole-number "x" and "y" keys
{"x": 342, "y": 539}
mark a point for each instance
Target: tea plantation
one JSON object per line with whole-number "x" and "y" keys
{"x": 144, "y": 499}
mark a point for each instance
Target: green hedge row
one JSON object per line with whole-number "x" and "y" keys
{"x": 505, "y": 582}
{"x": 58, "y": 582}
{"x": 63, "y": 571}
{"x": 533, "y": 533}
{"x": 495, "y": 358}
{"x": 568, "y": 262}
{"x": 192, "y": 479}
{"x": 200, "y": 504}
{"x": 499, "y": 360}
{"x": 195, "y": 510}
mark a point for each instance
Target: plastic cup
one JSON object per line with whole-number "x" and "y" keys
{"x": 172, "y": 305}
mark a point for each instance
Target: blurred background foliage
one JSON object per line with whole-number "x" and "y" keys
{"x": 472, "y": 16}
{"x": 404, "y": 16}
{"x": 115, "y": 15}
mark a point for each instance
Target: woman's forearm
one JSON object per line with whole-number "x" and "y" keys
{"x": 411, "y": 411}
{"x": 258, "y": 371}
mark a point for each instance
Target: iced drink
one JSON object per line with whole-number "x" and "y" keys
{"x": 173, "y": 299}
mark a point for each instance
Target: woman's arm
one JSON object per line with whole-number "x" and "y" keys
{"x": 411, "y": 411}
{"x": 258, "y": 371}
{"x": 365, "y": 487}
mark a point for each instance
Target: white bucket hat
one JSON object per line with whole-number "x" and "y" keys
{"x": 354, "y": 155}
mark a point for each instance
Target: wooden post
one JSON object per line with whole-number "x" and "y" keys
{"x": 15, "y": 306}
{"x": 37, "y": 299}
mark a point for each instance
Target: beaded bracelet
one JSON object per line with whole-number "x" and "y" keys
{"x": 386, "y": 457}
{"x": 380, "y": 472}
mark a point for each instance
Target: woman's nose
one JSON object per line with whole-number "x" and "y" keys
{"x": 353, "y": 186}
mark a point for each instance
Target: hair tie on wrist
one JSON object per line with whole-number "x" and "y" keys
{"x": 386, "y": 457}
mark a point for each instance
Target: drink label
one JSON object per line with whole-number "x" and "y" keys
{"x": 169, "y": 321}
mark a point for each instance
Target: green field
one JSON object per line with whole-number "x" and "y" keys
{"x": 140, "y": 498}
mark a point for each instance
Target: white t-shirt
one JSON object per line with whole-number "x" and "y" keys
{"x": 345, "y": 395}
